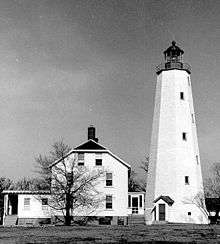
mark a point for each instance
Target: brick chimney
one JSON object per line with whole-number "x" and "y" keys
{"x": 91, "y": 133}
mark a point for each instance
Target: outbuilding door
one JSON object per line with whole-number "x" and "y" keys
{"x": 162, "y": 212}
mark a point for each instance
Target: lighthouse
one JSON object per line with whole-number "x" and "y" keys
{"x": 174, "y": 188}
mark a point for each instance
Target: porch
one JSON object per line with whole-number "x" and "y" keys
{"x": 136, "y": 208}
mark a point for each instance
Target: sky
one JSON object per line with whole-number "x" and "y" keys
{"x": 67, "y": 64}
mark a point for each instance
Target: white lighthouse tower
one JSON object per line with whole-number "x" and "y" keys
{"x": 174, "y": 187}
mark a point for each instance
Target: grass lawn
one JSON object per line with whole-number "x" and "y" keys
{"x": 112, "y": 234}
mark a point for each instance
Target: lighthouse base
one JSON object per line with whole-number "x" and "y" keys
{"x": 162, "y": 213}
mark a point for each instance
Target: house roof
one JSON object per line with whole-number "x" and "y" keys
{"x": 166, "y": 199}
{"x": 212, "y": 204}
{"x": 90, "y": 145}
{"x": 93, "y": 147}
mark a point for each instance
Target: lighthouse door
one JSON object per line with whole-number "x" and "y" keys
{"x": 161, "y": 212}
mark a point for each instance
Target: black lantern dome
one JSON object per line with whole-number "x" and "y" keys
{"x": 173, "y": 53}
{"x": 173, "y": 59}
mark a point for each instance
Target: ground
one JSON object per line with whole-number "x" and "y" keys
{"x": 112, "y": 234}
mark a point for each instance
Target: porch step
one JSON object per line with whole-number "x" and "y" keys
{"x": 136, "y": 219}
{"x": 157, "y": 222}
{"x": 11, "y": 220}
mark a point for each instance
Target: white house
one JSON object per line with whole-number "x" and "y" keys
{"x": 117, "y": 204}
{"x": 26, "y": 207}
{"x": 112, "y": 186}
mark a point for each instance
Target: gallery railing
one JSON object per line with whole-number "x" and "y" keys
{"x": 173, "y": 65}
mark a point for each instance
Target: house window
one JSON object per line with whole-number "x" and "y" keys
{"x": 121, "y": 221}
{"x": 189, "y": 213}
{"x": 98, "y": 160}
{"x": 129, "y": 201}
{"x": 80, "y": 159}
{"x": 186, "y": 180}
{"x": 197, "y": 159}
{"x": 44, "y": 201}
{"x": 184, "y": 136}
{"x": 105, "y": 220}
{"x": 182, "y": 95}
{"x": 108, "y": 179}
{"x": 108, "y": 203}
{"x": 27, "y": 203}
{"x": 140, "y": 201}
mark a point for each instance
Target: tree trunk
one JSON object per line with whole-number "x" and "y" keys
{"x": 68, "y": 207}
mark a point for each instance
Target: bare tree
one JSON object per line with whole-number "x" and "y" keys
{"x": 199, "y": 201}
{"x": 73, "y": 188}
{"x": 59, "y": 150}
{"x": 133, "y": 184}
{"x": 212, "y": 191}
{"x": 145, "y": 167}
{"x": 212, "y": 184}
{"x": 29, "y": 184}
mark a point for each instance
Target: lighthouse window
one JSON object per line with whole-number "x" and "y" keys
{"x": 182, "y": 95}
{"x": 184, "y": 136}
{"x": 193, "y": 118}
{"x": 186, "y": 180}
{"x": 197, "y": 159}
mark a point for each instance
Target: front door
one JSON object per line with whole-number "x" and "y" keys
{"x": 135, "y": 205}
{"x": 12, "y": 204}
{"x": 161, "y": 212}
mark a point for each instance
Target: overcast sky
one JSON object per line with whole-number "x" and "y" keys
{"x": 67, "y": 64}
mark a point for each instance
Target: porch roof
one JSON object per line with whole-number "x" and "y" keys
{"x": 25, "y": 192}
{"x": 136, "y": 192}
{"x": 166, "y": 199}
